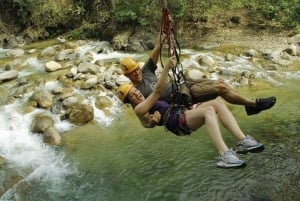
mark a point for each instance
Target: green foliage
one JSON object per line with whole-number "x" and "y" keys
{"x": 136, "y": 12}
{"x": 87, "y": 30}
{"x": 70, "y": 13}
{"x": 124, "y": 16}
{"x": 48, "y": 13}
{"x": 24, "y": 8}
{"x": 291, "y": 14}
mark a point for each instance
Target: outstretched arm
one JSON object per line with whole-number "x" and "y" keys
{"x": 156, "y": 51}
{"x": 143, "y": 108}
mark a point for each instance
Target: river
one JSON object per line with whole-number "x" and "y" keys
{"x": 115, "y": 159}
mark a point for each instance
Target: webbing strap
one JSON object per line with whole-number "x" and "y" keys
{"x": 167, "y": 115}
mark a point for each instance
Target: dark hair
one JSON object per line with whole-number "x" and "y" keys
{"x": 127, "y": 101}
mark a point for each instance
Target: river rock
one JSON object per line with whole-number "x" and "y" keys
{"x": 298, "y": 51}
{"x": 294, "y": 39}
{"x": 21, "y": 90}
{"x": 81, "y": 114}
{"x": 13, "y": 64}
{"x": 60, "y": 39}
{"x": 15, "y": 53}
{"x": 51, "y": 136}
{"x": 72, "y": 100}
{"x": 205, "y": 60}
{"x": 48, "y": 52}
{"x": 136, "y": 46}
{"x": 58, "y": 90}
{"x": 72, "y": 72}
{"x": 63, "y": 55}
{"x": 76, "y": 44}
{"x": 90, "y": 82}
{"x": 122, "y": 79}
{"x": 86, "y": 67}
{"x": 31, "y": 51}
{"x": 66, "y": 94}
{"x": 41, "y": 123}
{"x": 291, "y": 49}
{"x": 230, "y": 57}
{"x": 8, "y": 75}
{"x": 251, "y": 53}
{"x": 104, "y": 48}
{"x": 43, "y": 98}
{"x": 109, "y": 84}
{"x": 103, "y": 102}
{"x": 8, "y": 41}
{"x": 52, "y": 66}
{"x": 194, "y": 75}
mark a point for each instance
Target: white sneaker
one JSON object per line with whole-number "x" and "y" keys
{"x": 248, "y": 144}
{"x": 230, "y": 160}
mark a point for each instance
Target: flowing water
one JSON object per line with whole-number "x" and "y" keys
{"x": 116, "y": 159}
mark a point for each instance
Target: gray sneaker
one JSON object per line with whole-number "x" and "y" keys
{"x": 230, "y": 160}
{"x": 248, "y": 144}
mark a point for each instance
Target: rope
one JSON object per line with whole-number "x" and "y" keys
{"x": 173, "y": 49}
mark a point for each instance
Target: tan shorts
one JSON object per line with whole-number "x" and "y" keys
{"x": 202, "y": 90}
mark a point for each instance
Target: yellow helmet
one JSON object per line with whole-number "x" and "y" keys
{"x": 128, "y": 65}
{"x": 123, "y": 90}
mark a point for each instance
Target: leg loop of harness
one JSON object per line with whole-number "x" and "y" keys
{"x": 182, "y": 128}
{"x": 167, "y": 115}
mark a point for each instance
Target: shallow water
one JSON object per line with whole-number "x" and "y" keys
{"x": 127, "y": 162}
{"x": 115, "y": 158}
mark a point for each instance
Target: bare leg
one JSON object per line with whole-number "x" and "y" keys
{"x": 226, "y": 117}
{"x": 196, "y": 118}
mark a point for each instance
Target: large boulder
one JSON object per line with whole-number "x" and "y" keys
{"x": 8, "y": 41}
{"x": 45, "y": 125}
{"x": 80, "y": 114}
{"x": 41, "y": 124}
{"x": 43, "y": 98}
{"x": 51, "y": 136}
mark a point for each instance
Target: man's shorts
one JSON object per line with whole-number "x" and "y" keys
{"x": 202, "y": 90}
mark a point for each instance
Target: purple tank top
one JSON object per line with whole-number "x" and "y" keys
{"x": 162, "y": 107}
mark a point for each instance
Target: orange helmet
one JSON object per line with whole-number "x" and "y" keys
{"x": 128, "y": 65}
{"x": 122, "y": 91}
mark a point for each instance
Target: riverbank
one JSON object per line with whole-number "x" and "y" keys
{"x": 259, "y": 40}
